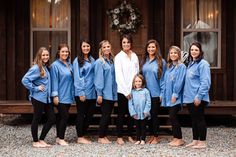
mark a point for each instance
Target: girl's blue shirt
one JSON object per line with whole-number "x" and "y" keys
{"x": 84, "y": 78}
{"x": 32, "y": 80}
{"x": 62, "y": 81}
{"x": 150, "y": 71}
{"x": 197, "y": 81}
{"x": 104, "y": 81}
{"x": 140, "y": 103}
{"x": 173, "y": 85}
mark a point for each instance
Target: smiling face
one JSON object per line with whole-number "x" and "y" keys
{"x": 195, "y": 52}
{"x": 151, "y": 49}
{"x": 106, "y": 49}
{"x": 126, "y": 45}
{"x": 64, "y": 53}
{"x": 85, "y": 47}
{"x": 138, "y": 83}
{"x": 174, "y": 55}
{"x": 45, "y": 56}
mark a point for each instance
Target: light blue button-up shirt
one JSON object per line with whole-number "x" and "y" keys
{"x": 62, "y": 81}
{"x": 173, "y": 85}
{"x": 149, "y": 71}
{"x": 104, "y": 81}
{"x": 140, "y": 103}
{"x": 84, "y": 78}
{"x": 197, "y": 81}
{"x": 32, "y": 80}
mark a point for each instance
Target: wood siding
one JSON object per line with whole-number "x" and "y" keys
{"x": 163, "y": 24}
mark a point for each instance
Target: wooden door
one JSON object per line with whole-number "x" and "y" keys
{"x": 139, "y": 38}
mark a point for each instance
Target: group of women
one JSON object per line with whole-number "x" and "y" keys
{"x": 107, "y": 80}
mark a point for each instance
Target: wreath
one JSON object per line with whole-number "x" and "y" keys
{"x": 124, "y": 18}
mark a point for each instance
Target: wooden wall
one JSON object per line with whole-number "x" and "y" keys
{"x": 163, "y": 24}
{"x": 14, "y": 48}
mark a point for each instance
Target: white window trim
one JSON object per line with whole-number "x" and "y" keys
{"x": 218, "y": 30}
{"x": 34, "y": 29}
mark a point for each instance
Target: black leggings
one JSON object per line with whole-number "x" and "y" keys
{"x": 106, "y": 109}
{"x": 198, "y": 121}
{"x": 62, "y": 119}
{"x": 153, "y": 123}
{"x": 85, "y": 111}
{"x": 140, "y": 129}
{"x": 38, "y": 108}
{"x": 176, "y": 128}
{"x": 122, "y": 111}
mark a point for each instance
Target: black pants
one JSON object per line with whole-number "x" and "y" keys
{"x": 153, "y": 123}
{"x": 39, "y": 108}
{"x": 122, "y": 111}
{"x": 176, "y": 128}
{"x": 62, "y": 119}
{"x": 85, "y": 111}
{"x": 106, "y": 109}
{"x": 198, "y": 121}
{"x": 140, "y": 129}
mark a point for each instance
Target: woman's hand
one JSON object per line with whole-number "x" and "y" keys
{"x": 99, "y": 100}
{"x": 197, "y": 102}
{"x": 55, "y": 100}
{"x": 82, "y": 98}
{"x": 129, "y": 96}
{"x": 173, "y": 99}
{"x": 41, "y": 88}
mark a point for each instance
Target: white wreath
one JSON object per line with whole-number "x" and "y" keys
{"x": 124, "y": 18}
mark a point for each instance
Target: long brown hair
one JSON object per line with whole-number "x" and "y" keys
{"x": 60, "y": 46}
{"x": 201, "y": 55}
{"x": 39, "y": 62}
{"x": 80, "y": 55}
{"x": 158, "y": 56}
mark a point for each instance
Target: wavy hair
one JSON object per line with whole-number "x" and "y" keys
{"x": 101, "y": 55}
{"x": 38, "y": 60}
{"x": 60, "y": 46}
{"x": 158, "y": 56}
{"x": 178, "y": 50}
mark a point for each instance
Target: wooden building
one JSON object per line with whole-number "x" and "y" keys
{"x": 26, "y": 25}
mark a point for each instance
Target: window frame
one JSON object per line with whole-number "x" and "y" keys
{"x": 37, "y": 29}
{"x": 215, "y": 30}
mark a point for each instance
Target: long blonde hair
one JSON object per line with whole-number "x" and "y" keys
{"x": 39, "y": 62}
{"x": 169, "y": 61}
{"x": 101, "y": 55}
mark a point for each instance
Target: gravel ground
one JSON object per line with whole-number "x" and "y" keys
{"x": 16, "y": 141}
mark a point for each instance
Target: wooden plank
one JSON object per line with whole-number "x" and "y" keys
{"x": 234, "y": 50}
{"x": 215, "y": 108}
{"x": 3, "y": 51}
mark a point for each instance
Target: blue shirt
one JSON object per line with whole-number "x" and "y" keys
{"x": 84, "y": 78}
{"x": 32, "y": 80}
{"x": 153, "y": 84}
{"x": 104, "y": 81}
{"x": 173, "y": 84}
{"x": 62, "y": 81}
{"x": 140, "y": 103}
{"x": 197, "y": 81}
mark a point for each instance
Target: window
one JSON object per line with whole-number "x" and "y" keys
{"x": 50, "y": 25}
{"x": 201, "y": 22}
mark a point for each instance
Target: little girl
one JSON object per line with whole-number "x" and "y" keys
{"x": 139, "y": 107}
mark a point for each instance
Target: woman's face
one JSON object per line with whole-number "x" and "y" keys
{"x": 174, "y": 55}
{"x": 152, "y": 49}
{"x": 126, "y": 45}
{"x": 45, "y": 56}
{"x": 64, "y": 53}
{"x": 85, "y": 47}
{"x": 195, "y": 52}
{"x": 106, "y": 49}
